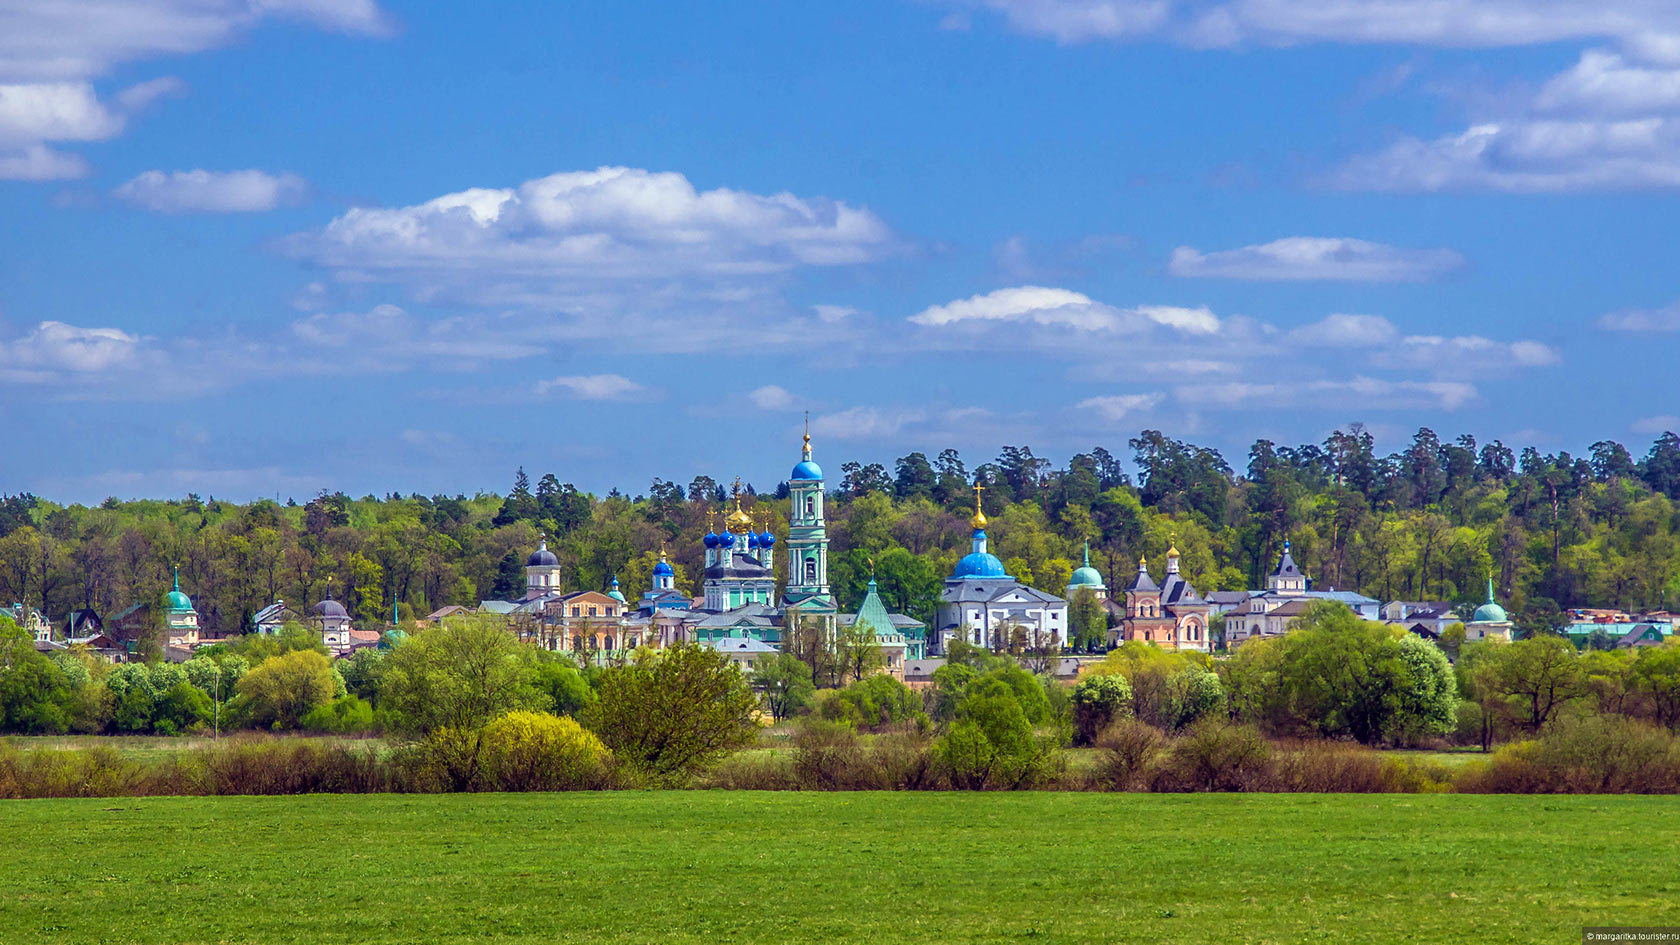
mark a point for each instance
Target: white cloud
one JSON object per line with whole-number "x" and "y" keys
{"x": 594, "y": 387}
{"x": 200, "y": 191}
{"x": 863, "y": 423}
{"x": 1474, "y": 349}
{"x": 1604, "y": 124}
{"x": 1192, "y": 321}
{"x": 1527, "y": 156}
{"x": 1305, "y": 258}
{"x": 771, "y": 397}
{"x": 55, "y": 349}
{"x": 50, "y": 50}
{"x": 834, "y": 313}
{"x": 1447, "y": 23}
{"x": 1604, "y": 83}
{"x": 1358, "y": 392}
{"x": 1063, "y": 308}
{"x": 1117, "y": 407}
{"x": 1660, "y": 424}
{"x": 1664, "y": 319}
{"x": 1346, "y": 331}
{"x": 564, "y": 237}
{"x": 74, "y": 39}
{"x": 1043, "y": 306}
{"x": 39, "y": 162}
{"x": 387, "y": 338}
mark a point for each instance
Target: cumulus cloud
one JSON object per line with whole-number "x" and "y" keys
{"x": 55, "y": 349}
{"x": 1063, "y": 308}
{"x": 1446, "y": 23}
{"x": 1117, "y": 407}
{"x": 1607, "y": 123}
{"x": 1307, "y": 258}
{"x": 50, "y": 51}
{"x": 565, "y": 236}
{"x": 1346, "y": 331}
{"x": 1666, "y": 319}
{"x": 72, "y": 39}
{"x": 594, "y": 387}
{"x": 200, "y": 191}
{"x": 771, "y": 397}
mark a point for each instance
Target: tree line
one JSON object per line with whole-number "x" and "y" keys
{"x": 1430, "y": 522}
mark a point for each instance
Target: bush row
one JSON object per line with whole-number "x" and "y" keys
{"x": 526, "y": 751}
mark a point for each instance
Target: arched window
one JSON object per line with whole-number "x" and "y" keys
{"x": 810, "y": 506}
{"x": 609, "y": 641}
{"x": 810, "y": 570}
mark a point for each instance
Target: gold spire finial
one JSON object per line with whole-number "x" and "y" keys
{"x": 1143, "y": 563}
{"x": 979, "y": 519}
{"x": 738, "y": 517}
{"x": 1172, "y": 545}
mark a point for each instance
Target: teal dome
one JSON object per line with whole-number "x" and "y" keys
{"x": 1086, "y": 576}
{"x": 1489, "y": 613}
{"x": 175, "y": 601}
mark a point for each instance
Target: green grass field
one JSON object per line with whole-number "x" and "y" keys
{"x": 877, "y": 868}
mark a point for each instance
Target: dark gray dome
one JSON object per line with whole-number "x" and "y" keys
{"x": 542, "y": 557}
{"x": 331, "y": 608}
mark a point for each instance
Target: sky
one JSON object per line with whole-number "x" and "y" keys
{"x": 268, "y": 247}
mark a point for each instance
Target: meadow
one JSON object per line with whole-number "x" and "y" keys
{"x": 703, "y": 866}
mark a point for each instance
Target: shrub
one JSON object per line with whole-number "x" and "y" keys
{"x": 1591, "y": 755}
{"x": 1338, "y": 767}
{"x": 1127, "y": 754}
{"x": 991, "y": 744}
{"x": 283, "y": 689}
{"x": 1216, "y": 755}
{"x": 536, "y": 751}
{"x": 344, "y": 714}
{"x": 874, "y": 703}
{"x": 1097, "y": 702}
{"x": 674, "y": 713}
{"x": 255, "y": 765}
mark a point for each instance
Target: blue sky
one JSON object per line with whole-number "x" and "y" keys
{"x": 259, "y": 248}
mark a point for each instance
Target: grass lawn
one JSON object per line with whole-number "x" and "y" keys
{"x": 876, "y": 868}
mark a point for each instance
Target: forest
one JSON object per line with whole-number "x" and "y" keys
{"x": 1430, "y": 522}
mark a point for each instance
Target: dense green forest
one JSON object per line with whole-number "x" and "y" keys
{"x": 1430, "y": 522}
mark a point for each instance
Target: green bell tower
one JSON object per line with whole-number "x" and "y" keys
{"x": 807, "y": 554}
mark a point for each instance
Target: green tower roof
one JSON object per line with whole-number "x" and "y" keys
{"x": 874, "y": 613}
{"x": 177, "y": 602}
{"x": 1086, "y": 576}
{"x": 1490, "y": 612}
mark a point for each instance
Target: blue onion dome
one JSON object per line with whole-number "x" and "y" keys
{"x": 980, "y": 564}
{"x": 663, "y": 568}
{"x": 711, "y": 539}
{"x": 542, "y": 557}
{"x": 727, "y": 539}
{"x": 752, "y": 539}
{"x": 615, "y": 593}
{"x": 806, "y": 468}
{"x": 766, "y": 539}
